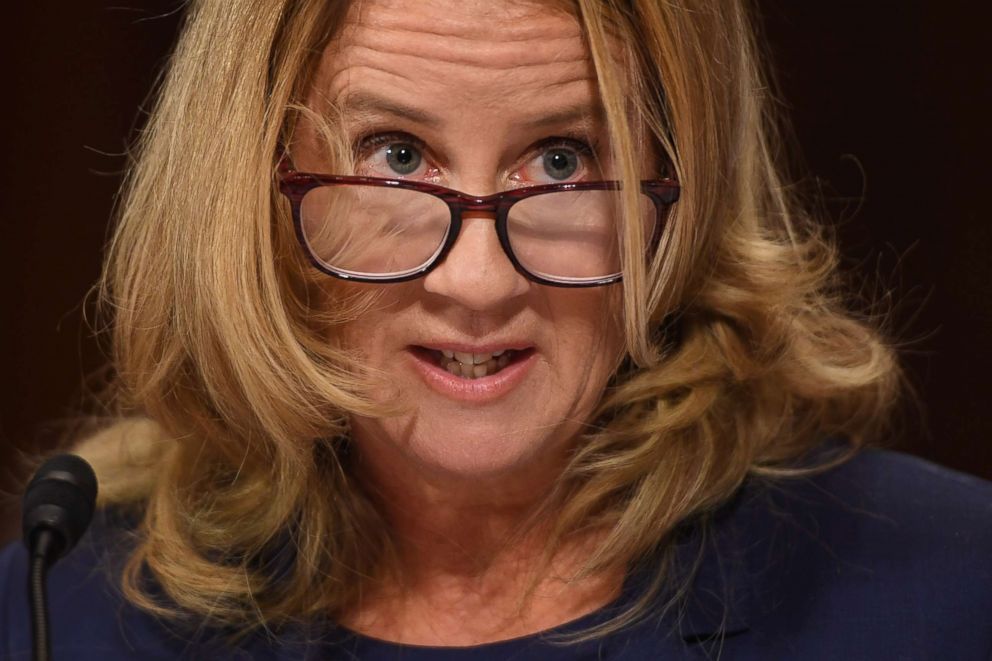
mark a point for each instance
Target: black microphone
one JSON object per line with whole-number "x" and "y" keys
{"x": 58, "y": 507}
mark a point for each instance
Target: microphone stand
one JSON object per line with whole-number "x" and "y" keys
{"x": 41, "y": 547}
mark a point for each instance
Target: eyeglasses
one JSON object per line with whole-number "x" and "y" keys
{"x": 368, "y": 229}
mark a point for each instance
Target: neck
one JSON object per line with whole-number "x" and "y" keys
{"x": 472, "y": 563}
{"x": 457, "y": 526}
{"x": 475, "y": 572}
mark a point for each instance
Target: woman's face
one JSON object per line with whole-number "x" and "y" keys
{"x": 481, "y": 97}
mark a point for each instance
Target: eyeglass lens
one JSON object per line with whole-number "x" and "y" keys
{"x": 374, "y": 231}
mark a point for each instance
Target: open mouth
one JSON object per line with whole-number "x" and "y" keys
{"x": 473, "y": 365}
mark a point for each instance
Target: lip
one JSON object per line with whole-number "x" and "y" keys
{"x": 474, "y": 391}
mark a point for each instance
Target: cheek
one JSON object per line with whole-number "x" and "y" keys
{"x": 368, "y": 333}
{"x": 588, "y": 347}
{"x": 366, "y": 315}
{"x": 586, "y": 329}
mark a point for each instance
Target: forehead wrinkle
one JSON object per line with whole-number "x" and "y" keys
{"x": 362, "y": 106}
{"x": 514, "y": 78}
{"x": 357, "y": 71}
{"x": 477, "y": 52}
{"x": 424, "y": 73}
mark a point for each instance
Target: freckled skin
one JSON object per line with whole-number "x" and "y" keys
{"x": 484, "y": 70}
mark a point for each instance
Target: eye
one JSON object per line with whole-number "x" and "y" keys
{"x": 403, "y": 158}
{"x": 389, "y": 155}
{"x": 557, "y": 160}
{"x": 560, "y": 163}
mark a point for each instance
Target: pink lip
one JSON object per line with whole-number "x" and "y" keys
{"x": 476, "y": 391}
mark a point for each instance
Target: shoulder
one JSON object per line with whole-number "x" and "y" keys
{"x": 888, "y": 493}
{"x": 884, "y": 505}
{"x": 885, "y": 554}
{"x": 89, "y": 617}
{"x": 925, "y": 495}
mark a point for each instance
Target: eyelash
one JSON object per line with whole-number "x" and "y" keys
{"x": 366, "y": 145}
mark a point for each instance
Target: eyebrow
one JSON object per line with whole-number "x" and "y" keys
{"x": 583, "y": 114}
{"x": 364, "y": 104}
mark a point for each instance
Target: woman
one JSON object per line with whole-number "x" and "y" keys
{"x": 362, "y": 415}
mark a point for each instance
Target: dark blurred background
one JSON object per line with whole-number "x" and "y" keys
{"x": 891, "y": 104}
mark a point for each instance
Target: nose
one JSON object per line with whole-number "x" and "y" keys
{"x": 476, "y": 273}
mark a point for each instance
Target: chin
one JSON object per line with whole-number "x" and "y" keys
{"x": 480, "y": 458}
{"x": 483, "y": 451}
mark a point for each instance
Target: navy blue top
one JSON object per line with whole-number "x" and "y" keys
{"x": 886, "y": 557}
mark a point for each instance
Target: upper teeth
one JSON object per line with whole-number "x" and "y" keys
{"x": 474, "y": 365}
{"x": 471, "y": 358}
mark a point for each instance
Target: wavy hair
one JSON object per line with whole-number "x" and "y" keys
{"x": 743, "y": 351}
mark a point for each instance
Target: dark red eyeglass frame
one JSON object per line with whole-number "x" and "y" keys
{"x": 295, "y": 185}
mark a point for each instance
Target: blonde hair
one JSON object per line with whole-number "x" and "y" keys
{"x": 742, "y": 353}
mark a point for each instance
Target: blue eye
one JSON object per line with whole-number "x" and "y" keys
{"x": 560, "y": 163}
{"x": 403, "y": 158}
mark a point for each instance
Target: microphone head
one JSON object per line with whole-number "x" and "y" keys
{"x": 60, "y": 497}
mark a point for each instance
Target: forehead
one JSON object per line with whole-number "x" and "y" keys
{"x": 458, "y": 54}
